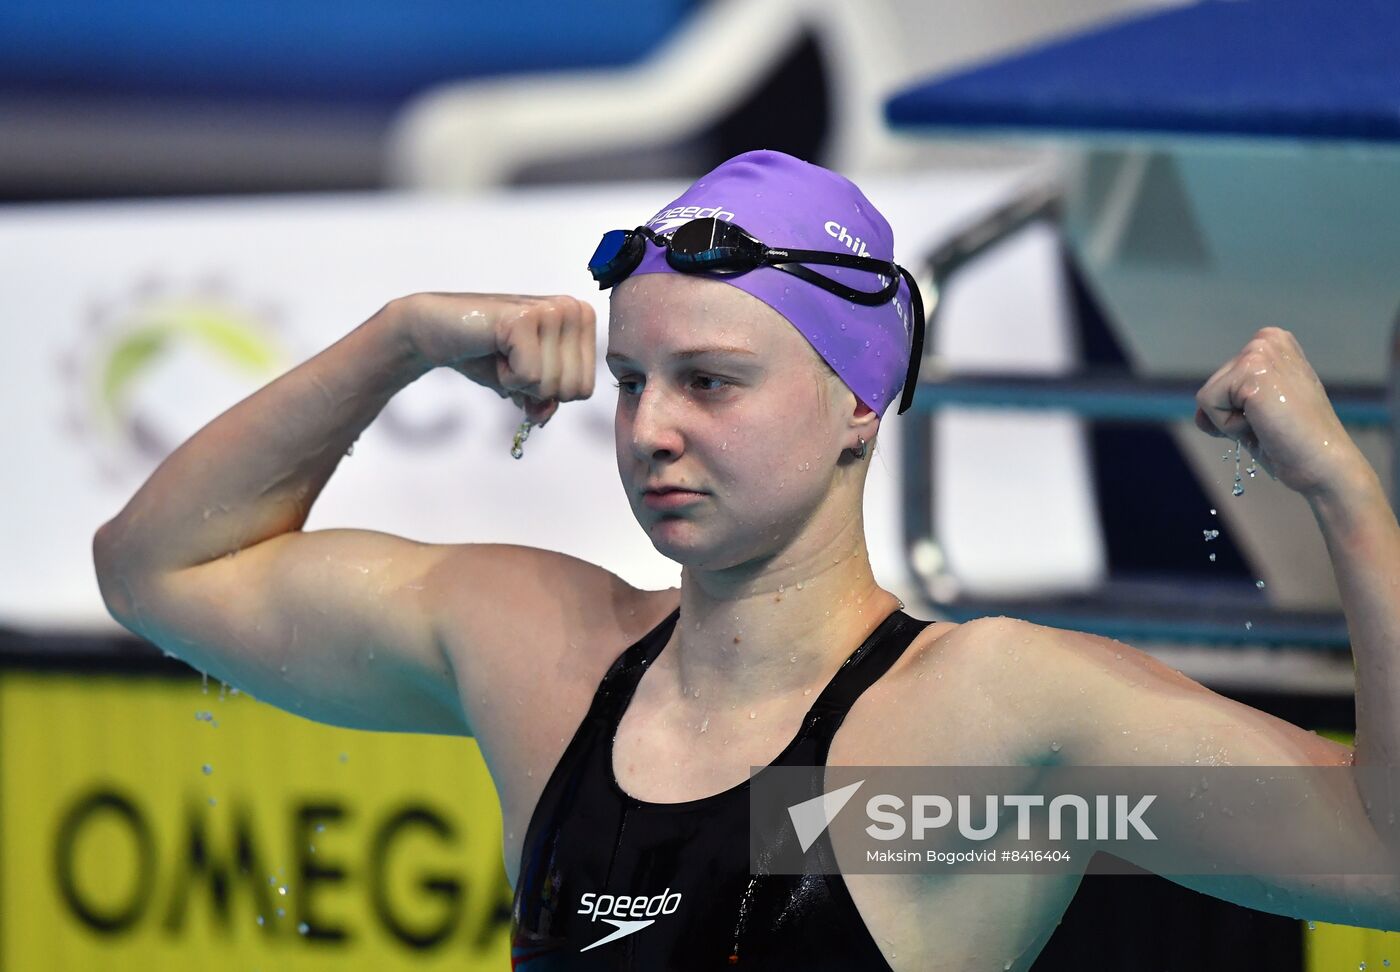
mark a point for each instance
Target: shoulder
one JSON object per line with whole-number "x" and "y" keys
{"x": 512, "y": 595}
{"x": 1037, "y": 674}
{"x": 1060, "y": 673}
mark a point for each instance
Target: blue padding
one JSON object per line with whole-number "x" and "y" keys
{"x": 1307, "y": 69}
{"x": 347, "y": 50}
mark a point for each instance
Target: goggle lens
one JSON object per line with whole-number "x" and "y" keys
{"x": 713, "y": 246}
{"x": 617, "y": 255}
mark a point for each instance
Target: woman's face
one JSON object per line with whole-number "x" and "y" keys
{"x": 718, "y": 393}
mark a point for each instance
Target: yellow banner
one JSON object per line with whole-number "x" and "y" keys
{"x": 1328, "y": 947}
{"x": 148, "y": 824}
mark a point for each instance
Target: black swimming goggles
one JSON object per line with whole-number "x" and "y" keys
{"x": 720, "y": 247}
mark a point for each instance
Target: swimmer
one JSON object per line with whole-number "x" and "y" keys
{"x": 619, "y": 724}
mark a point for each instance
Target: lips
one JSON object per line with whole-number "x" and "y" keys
{"x": 669, "y": 497}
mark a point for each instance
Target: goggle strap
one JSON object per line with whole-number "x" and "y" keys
{"x": 840, "y": 289}
{"x": 849, "y": 260}
{"x": 916, "y": 351}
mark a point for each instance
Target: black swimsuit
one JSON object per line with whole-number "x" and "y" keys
{"x": 609, "y": 882}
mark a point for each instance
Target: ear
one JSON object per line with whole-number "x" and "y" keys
{"x": 865, "y": 421}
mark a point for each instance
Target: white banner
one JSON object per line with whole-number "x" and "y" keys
{"x": 125, "y": 327}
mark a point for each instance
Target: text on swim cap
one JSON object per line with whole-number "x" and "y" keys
{"x": 679, "y": 214}
{"x": 838, "y": 232}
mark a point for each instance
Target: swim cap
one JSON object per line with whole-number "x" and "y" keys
{"x": 787, "y": 203}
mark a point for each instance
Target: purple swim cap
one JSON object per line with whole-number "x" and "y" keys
{"x": 787, "y": 203}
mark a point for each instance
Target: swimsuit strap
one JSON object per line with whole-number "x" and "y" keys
{"x": 865, "y": 666}
{"x": 620, "y": 682}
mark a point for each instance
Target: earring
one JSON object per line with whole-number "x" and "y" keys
{"x": 861, "y": 453}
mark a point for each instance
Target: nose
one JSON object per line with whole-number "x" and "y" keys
{"x": 655, "y": 430}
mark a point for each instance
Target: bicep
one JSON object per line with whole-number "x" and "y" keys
{"x": 333, "y": 625}
{"x": 1138, "y": 711}
{"x": 1303, "y": 813}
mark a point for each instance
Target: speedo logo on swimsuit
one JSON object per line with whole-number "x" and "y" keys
{"x": 628, "y": 913}
{"x": 841, "y": 235}
{"x": 669, "y": 219}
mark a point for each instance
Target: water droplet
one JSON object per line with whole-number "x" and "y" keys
{"x": 1282, "y": 399}
{"x": 350, "y": 451}
{"x": 281, "y": 912}
{"x": 1259, "y": 584}
{"x": 1212, "y": 512}
{"x": 1211, "y": 534}
{"x": 207, "y": 769}
{"x": 260, "y": 919}
{"x": 752, "y": 714}
{"x": 1212, "y": 558}
{"x": 1248, "y": 625}
{"x": 303, "y": 928}
{"x": 792, "y": 658}
{"x": 345, "y": 757}
{"x": 1054, "y": 747}
{"x": 806, "y": 691}
{"x": 212, "y": 801}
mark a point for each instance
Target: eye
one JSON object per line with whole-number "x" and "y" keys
{"x": 711, "y": 378}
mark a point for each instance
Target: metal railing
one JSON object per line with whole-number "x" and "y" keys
{"x": 1172, "y": 609}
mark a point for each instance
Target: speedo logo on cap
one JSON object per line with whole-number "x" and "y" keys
{"x": 669, "y": 219}
{"x": 840, "y": 234}
{"x": 627, "y": 913}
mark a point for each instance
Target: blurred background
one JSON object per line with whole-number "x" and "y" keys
{"x": 1103, "y": 201}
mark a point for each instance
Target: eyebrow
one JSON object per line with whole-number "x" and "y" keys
{"x": 688, "y": 353}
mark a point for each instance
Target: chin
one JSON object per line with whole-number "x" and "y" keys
{"x": 690, "y": 548}
{"x": 680, "y": 540}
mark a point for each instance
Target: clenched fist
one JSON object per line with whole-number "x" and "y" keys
{"x": 537, "y": 351}
{"x": 1269, "y": 399}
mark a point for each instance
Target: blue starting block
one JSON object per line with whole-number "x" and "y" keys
{"x": 1295, "y": 75}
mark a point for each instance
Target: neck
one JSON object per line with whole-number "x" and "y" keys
{"x": 776, "y": 636}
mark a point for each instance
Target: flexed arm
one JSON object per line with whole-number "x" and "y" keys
{"x": 1131, "y": 710}
{"x": 1269, "y": 398}
{"x": 209, "y": 560}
